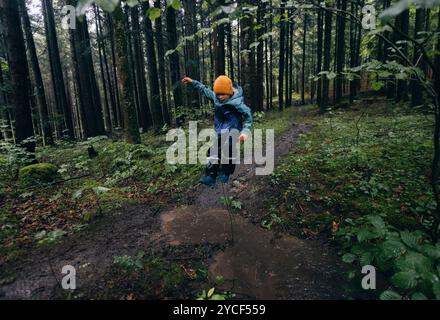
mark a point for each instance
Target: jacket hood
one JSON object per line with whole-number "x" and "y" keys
{"x": 236, "y": 99}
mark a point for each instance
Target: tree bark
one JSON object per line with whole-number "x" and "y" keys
{"x": 174, "y": 61}
{"x": 19, "y": 73}
{"x": 156, "y": 108}
{"x": 161, "y": 58}
{"x": 327, "y": 58}
{"x": 131, "y": 128}
{"x": 89, "y": 96}
{"x": 416, "y": 88}
{"x": 282, "y": 57}
{"x": 141, "y": 81}
{"x": 56, "y": 68}
{"x": 39, "y": 85}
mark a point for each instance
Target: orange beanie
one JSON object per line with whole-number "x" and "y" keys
{"x": 223, "y": 85}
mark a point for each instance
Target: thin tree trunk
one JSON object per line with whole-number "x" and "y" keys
{"x": 319, "y": 56}
{"x": 340, "y": 57}
{"x": 131, "y": 129}
{"x": 156, "y": 108}
{"x": 303, "y": 69}
{"x": 19, "y": 74}
{"x": 90, "y": 100}
{"x": 327, "y": 58}
{"x": 417, "y": 89}
{"x": 144, "y": 106}
{"x": 41, "y": 95}
{"x": 56, "y": 68}
{"x": 282, "y": 55}
{"x": 174, "y": 61}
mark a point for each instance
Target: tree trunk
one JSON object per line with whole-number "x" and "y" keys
{"x": 161, "y": 57}
{"x": 90, "y": 100}
{"x": 230, "y": 52}
{"x": 402, "y": 85}
{"x": 319, "y": 56}
{"x": 327, "y": 58}
{"x": 41, "y": 95}
{"x": 219, "y": 45}
{"x": 259, "y": 77}
{"x": 303, "y": 69}
{"x": 174, "y": 61}
{"x": 191, "y": 62}
{"x": 247, "y": 61}
{"x": 144, "y": 106}
{"x": 282, "y": 55}
{"x": 131, "y": 128}
{"x": 106, "y": 89}
{"x": 56, "y": 68}
{"x": 156, "y": 108}
{"x": 19, "y": 73}
{"x": 117, "y": 115}
{"x": 340, "y": 57}
{"x": 416, "y": 88}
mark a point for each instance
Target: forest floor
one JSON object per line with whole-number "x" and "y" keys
{"x": 135, "y": 252}
{"x": 352, "y": 182}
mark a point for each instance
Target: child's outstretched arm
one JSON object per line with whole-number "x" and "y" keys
{"x": 248, "y": 120}
{"x": 201, "y": 87}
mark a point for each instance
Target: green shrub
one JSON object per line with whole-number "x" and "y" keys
{"x": 38, "y": 173}
{"x": 410, "y": 259}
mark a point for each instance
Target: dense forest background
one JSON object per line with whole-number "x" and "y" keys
{"x": 122, "y": 70}
{"x": 83, "y": 112}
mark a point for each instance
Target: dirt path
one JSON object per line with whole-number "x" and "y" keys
{"x": 258, "y": 264}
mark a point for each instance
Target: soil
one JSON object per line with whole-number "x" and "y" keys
{"x": 254, "y": 263}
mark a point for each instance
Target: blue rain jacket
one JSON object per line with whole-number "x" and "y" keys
{"x": 231, "y": 113}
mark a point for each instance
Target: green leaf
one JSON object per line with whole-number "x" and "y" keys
{"x": 211, "y": 292}
{"x": 393, "y": 248}
{"x": 429, "y": 276}
{"x": 419, "y": 296}
{"x": 217, "y": 297}
{"x": 377, "y": 85}
{"x": 405, "y": 280}
{"x": 403, "y": 5}
{"x": 108, "y": 5}
{"x": 390, "y": 295}
{"x": 175, "y": 4}
{"x": 410, "y": 239}
{"x": 153, "y": 13}
{"x": 366, "y": 258}
{"x": 436, "y": 290}
{"x": 432, "y": 251}
{"x": 365, "y": 234}
{"x": 77, "y": 194}
{"x": 40, "y": 234}
{"x": 331, "y": 75}
{"x": 376, "y": 221}
{"x": 348, "y": 258}
{"x": 101, "y": 190}
{"x": 169, "y": 52}
{"x": 414, "y": 261}
{"x": 132, "y": 3}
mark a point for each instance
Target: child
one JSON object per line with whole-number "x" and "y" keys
{"x": 230, "y": 113}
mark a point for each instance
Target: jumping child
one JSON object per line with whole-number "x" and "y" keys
{"x": 230, "y": 113}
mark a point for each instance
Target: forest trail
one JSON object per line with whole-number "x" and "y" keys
{"x": 259, "y": 264}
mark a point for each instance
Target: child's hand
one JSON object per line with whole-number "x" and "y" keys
{"x": 243, "y": 137}
{"x": 187, "y": 80}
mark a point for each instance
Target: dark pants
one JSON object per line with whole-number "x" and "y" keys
{"x": 214, "y": 169}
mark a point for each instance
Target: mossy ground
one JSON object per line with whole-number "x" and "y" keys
{"x": 86, "y": 188}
